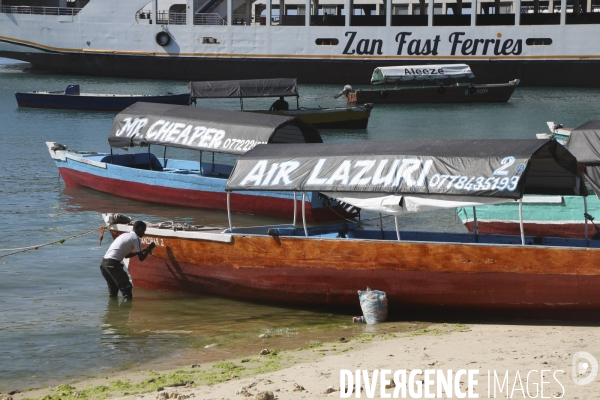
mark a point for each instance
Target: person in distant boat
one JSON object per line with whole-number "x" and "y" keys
{"x": 112, "y": 267}
{"x": 280, "y": 105}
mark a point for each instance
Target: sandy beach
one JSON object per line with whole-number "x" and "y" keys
{"x": 485, "y": 360}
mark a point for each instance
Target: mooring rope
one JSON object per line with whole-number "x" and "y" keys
{"x": 17, "y": 250}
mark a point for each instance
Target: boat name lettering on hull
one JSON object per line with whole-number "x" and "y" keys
{"x": 458, "y": 44}
{"x": 146, "y": 240}
{"x": 478, "y": 91}
{"x": 363, "y": 46}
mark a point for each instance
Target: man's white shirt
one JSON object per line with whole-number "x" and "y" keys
{"x": 123, "y": 245}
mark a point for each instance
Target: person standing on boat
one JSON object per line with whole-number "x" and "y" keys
{"x": 112, "y": 267}
{"x": 280, "y": 105}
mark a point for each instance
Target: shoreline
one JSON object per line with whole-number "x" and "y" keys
{"x": 514, "y": 352}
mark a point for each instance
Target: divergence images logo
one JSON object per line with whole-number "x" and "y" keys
{"x": 583, "y": 363}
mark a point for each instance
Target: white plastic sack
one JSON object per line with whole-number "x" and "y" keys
{"x": 374, "y": 305}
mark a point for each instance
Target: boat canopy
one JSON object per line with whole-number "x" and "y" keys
{"x": 421, "y": 73}
{"x": 243, "y": 88}
{"x": 384, "y": 176}
{"x": 584, "y": 143}
{"x": 205, "y": 129}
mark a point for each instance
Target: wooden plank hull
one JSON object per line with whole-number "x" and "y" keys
{"x": 544, "y": 216}
{"x": 432, "y": 94}
{"x": 338, "y": 118}
{"x": 566, "y": 230}
{"x": 270, "y": 206}
{"x": 319, "y": 271}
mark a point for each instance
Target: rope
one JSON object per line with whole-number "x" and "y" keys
{"x": 61, "y": 241}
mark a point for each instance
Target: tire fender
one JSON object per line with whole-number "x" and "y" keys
{"x": 163, "y": 38}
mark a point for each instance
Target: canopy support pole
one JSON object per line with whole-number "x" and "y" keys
{"x": 396, "y": 219}
{"x": 521, "y": 221}
{"x": 165, "y": 157}
{"x": 242, "y": 103}
{"x": 229, "y": 211}
{"x": 585, "y": 217}
{"x": 297, "y": 102}
{"x": 295, "y": 210}
{"x": 212, "y": 169}
{"x": 149, "y": 163}
{"x": 475, "y": 230}
{"x": 200, "y": 167}
{"x": 304, "y": 213}
{"x": 381, "y": 225}
{"x": 111, "y": 156}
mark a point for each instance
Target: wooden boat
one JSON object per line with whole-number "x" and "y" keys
{"x": 328, "y": 264}
{"x": 72, "y": 99}
{"x": 354, "y": 117}
{"x": 448, "y": 83}
{"x": 145, "y": 177}
{"x": 551, "y": 215}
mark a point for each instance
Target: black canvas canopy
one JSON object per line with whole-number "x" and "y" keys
{"x": 584, "y": 143}
{"x": 205, "y": 129}
{"x": 243, "y": 88}
{"x": 504, "y": 169}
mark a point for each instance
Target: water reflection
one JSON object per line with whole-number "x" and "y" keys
{"x": 116, "y": 329}
{"x": 159, "y": 329}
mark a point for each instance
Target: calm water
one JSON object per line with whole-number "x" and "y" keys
{"x": 56, "y": 321}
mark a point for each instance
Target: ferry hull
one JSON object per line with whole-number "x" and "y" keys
{"x": 548, "y": 73}
{"x": 311, "y": 271}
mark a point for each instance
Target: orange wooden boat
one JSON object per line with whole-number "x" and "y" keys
{"x": 328, "y": 264}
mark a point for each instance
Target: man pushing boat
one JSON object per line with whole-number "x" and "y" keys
{"x": 112, "y": 267}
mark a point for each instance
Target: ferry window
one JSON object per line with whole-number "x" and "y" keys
{"x": 327, "y": 42}
{"x": 209, "y": 40}
{"x": 400, "y": 9}
{"x": 538, "y": 42}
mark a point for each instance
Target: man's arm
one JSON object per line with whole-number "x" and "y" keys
{"x": 142, "y": 254}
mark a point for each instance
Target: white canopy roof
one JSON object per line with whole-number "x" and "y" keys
{"x": 402, "y": 204}
{"x": 421, "y": 72}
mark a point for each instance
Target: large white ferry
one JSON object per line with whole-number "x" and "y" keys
{"x": 542, "y": 43}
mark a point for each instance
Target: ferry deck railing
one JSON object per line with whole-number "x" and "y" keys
{"x": 528, "y": 15}
{"x": 209, "y": 19}
{"x": 39, "y": 10}
{"x": 173, "y": 18}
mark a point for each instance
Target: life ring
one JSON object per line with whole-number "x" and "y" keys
{"x": 472, "y": 90}
{"x": 441, "y": 90}
{"x": 383, "y": 94}
{"x": 163, "y": 38}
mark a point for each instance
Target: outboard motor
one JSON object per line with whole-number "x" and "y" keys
{"x": 347, "y": 89}
{"x": 72, "y": 90}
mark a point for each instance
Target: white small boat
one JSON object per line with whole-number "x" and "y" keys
{"x": 557, "y": 131}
